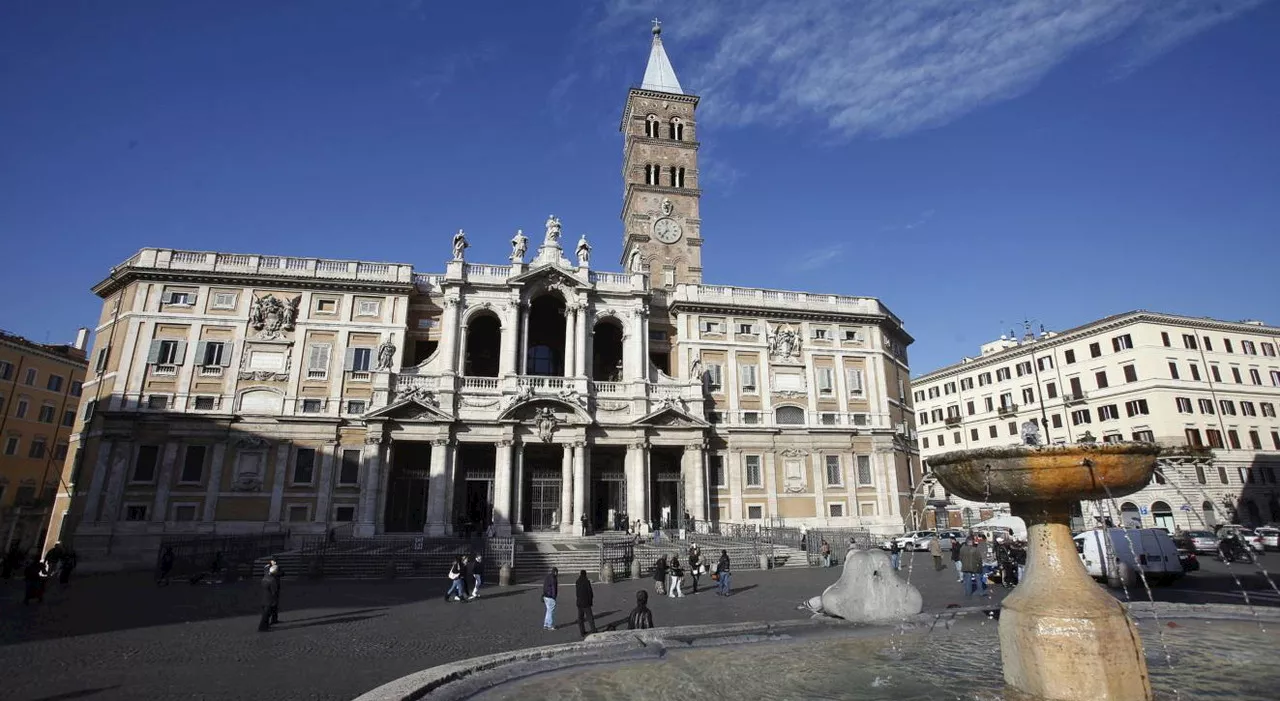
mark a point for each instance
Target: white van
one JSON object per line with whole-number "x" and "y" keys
{"x": 1152, "y": 551}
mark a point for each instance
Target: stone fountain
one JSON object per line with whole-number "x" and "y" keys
{"x": 1062, "y": 637}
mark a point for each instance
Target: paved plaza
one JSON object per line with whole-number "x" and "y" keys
{"x": 121, "y": 637}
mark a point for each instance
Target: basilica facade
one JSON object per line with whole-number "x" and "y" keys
{"x": 242, "y": 393}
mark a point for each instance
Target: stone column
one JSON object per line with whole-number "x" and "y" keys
{"x": 120, "y": 459}
{"x": 510, "y": 336}
{"x": 370, "y": 463}
{"x": 215, "y": 482}
{"x": 522, "y": 352}
{"x": 324, "y": 486}
{"x": 517, "y": 506}
{"x": 101, "y": 466}
{"x": 693, "y": 465}
{"x": 383, "y": 478}
{"x": 579, "y": 484}
{"x": 163, "y": 482}
{"x": 283, "y": 448}
{"x": 580, "y": 348}
{"x": 502, "y": 469}
{"x": 436, "y": 491}
{"x": 570, "y": 326}
{"x": 566, "y": 489}
{"x": 635, "y": 480}
{"x": 640, "y": 359}
{"x": 449, "y": 332}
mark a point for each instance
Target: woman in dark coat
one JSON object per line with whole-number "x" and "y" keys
{"x": 695, "y": 566}
{"x": 660, "y": 575}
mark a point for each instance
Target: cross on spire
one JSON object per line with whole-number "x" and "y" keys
{"x": 657, "y": 26}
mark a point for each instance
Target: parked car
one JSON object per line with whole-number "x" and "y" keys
{"x": 1190, "y": 563}
{"x": 1270, "y": 537}
{"x": 1246, "y": 534}
{"x": 1199, "y": 542}
{"x": 1150, "y": 550}
{"x": 911, "y": 541}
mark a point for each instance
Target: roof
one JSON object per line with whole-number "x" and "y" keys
{"x": 659, "y": 75}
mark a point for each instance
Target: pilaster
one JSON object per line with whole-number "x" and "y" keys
{"x": 735, "y": 467}
{"x": 215, "y": 482}
{"x": 101, "y": 470}
{"x": 566, "y": 489}
{"x": 636, "y": 487}
{"x": 283, "y": 449}
{"x": 449, "y": 335}
{"x": 440, "y": 463}
{"x": 579, "y": 483}
{"x": 120, "y": 460}
{"x": 324, "y": 486}
{"x": 164, "y": 481}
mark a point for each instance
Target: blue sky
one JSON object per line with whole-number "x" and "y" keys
{"x": 971, "y": 164}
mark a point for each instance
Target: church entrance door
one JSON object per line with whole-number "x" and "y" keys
{"x": 407, "y": 487}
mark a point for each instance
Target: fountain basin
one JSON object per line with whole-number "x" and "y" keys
{"x": 1217, "y": 651}
{"x": 1046, "y": 473}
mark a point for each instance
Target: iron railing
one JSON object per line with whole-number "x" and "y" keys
{"x": 198, "y": 556}
{"x": 618, "y": 554}
{"x": 841, "y": 541}
{"x": 400, "y": 555}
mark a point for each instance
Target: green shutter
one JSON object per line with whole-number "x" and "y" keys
{"x": 153, "y": 353}
{"x": 202, "y": 347}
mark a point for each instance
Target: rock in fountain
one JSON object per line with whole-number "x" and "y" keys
{"x": 1061, "y": 636}
{"x": 868, "y": 591}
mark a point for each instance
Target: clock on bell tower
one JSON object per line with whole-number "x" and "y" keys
{"x": 661, "y": 229}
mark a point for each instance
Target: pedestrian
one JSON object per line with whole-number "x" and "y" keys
{"x": 695, "y": 565}
{"x": 12, "y": 561}
{"x": 166, "y": 566}
{"x": 69, "y": 562}
{"x": 455, "y": 591}
{"x": 722, "y": 574}
{"x": 34, "y": 576}
{"x": 895, "y": 554}
{"x": 276, "y": 573}
{"x": 478, "y": 568}
{"x": 971, "y": 565}
{"x": 585, "y": 523}
{"x": 955, "y": 558}
{"x": 550, "y": 588}
{"x": 53, "y": 558}
{"x": 641, "y": 617}
{"x": 935, "y": 549}
{"x": 676, "y": 589}
{"x": 660, "y": 576}
{"x": 585, "y": 599}
{"x": 825, "y": 552}
{"x": 270, "y": 586}
{"x": 1020, "y": 559}
{"x": 468, "y": 577}
{"x": 989, "y": 562}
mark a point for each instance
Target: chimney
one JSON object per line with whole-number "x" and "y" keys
{"x": 82, "y": 336}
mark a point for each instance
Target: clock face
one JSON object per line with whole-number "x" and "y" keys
{"x": 667, "y": 230}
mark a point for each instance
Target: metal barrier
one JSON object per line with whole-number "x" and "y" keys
{"x": 840, "y": 540}
{"x": 199, "y": 557}
{"x": 618, "y": 554}
{"x": 401, "y": 555}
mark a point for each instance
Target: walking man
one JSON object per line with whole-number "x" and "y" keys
{"x": 895, "y": 554}
{"x": 478, "y": 568}
{"x": 955, "y": 558}
{"x": 971, "y": 565}
{"x": 270, "y": 598}
{"x": 166, "y": 565}
{"x": 585, "y": 598}
{"x": 550, "y": 588}
{"x": 935, "y": 549}
{"x": 722, "y": 572}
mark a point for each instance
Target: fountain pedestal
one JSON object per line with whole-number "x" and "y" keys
{"x": 1062, "y": 637}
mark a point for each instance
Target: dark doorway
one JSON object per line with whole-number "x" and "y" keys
{"x": 666, "y": 489}
{"x": 540, "y": 501}
{"x": 484, "y": 343}
{"x": 473, "y": 490}
{"x": 606, "y": 352}
{"x": 662, "y": 361}
{"x": 545, "y": 355}
{"x": 407, "y": 487}
{"x": 607, "y": 495}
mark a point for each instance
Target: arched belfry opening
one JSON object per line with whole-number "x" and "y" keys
{"x": 606, "y": 351}
{"x": 545, "y": 352}
{"x": 484, "y": 343}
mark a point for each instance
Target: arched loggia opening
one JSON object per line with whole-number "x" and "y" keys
{"x": 606, "y": 352}
{"x": 545, "y": 354}
{"x": 484, "y": 343}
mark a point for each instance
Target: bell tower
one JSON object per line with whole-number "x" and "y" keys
{"x": 662, "y": 232}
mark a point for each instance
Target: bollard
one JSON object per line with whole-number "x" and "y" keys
{"x": 764, "y": 562}
{"x": 606, "y": 573}
{"x": 504, "y": 576}
{"x": 635, "y": 569}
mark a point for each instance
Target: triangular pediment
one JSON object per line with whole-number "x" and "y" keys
{"x": 672, "y": 416}
{"x": 548, "y": 274}
{"x": 410, "y": 409}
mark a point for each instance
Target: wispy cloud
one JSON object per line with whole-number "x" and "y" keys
{"x": 884, "y": 68}
{"x": 817, "y": 259}
{"x": 436, "y": 72}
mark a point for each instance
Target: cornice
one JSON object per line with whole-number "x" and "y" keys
{"x": 169, "y": 275}
{"x": 776, "y": 313}
{"x": 29, "y": 347}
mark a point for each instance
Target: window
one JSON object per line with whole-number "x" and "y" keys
{"x": 192, "y": 464}
{"x": 1013, "y": 428}
{"x": 1130, "y": 373}
{"x": 1028, "y": 395}
{"x": 135, "y": 512}
{"x": 1254, "y": 376}
{"x": 349, "y": 472}
{"x": 1208, "y": 345}
{"x": 955, "y": 438}
{"x": 715, "y": 376}
{"x": 77, "y": 387}
{"x": 318, "y": 361}
{"x": 359, "y": 359}
{"x": 327, "y": 306}
{"x": 355, "y": 406}
{"x": 755, "y": 512}
{"x": 1024, "y": 368}
{"x": 181, "y": 299}
{"x": 712, "y": 326}
{"x": 1215, "y": 438}
{"x": 167, "y": 352}
{"x": 864, "y": 470}
{"x": 1051, "y": 390}
{"x": 304, "y": 465}
{"x": 1101, "y": 378}
{"x": 1227, "y": 407}
{"x": 54, "y": 383}
{"x": 46, "y": 414}
{"x": 6, "y": 369}
{"x": 100, "y": 365}
{"x": 1269, "y": 349}
{"x": 1226, "y": 343}
{"x": 1095, "y": 350}
{"x": 852, "y": 336}
{"x": 299, "y": 513}
{"x": 750, "y": 417}
{"x": 934, "y": 392}
{"x": 158, "y": 402}
{"x": 1248, "y": 347}
{"x": 1080, "y": 416}
{"x": 924, "y": 442}
{"x": 820, "y": 334}
{"x": 1045, "y": 363}
{"x": 1137, "y": 407}
{"x": 31, "y": 377}
{"x": 1069, "y": 355}
{"x": 1189, "y": 341}
{"x": 942, "y": 439}
{"x": 368, "y": 307}
{"x": 826, "y": 419}
{"x": 1233, "y": 437}
{"x": 1144, "y": 436}
{"x": 312, "y": 406}
{"x": 89, "y": 407}
{"x": 1235, "y": 375}
{"x": 37, "y": 448}
{"x": 1173, "y": 370}
{"x": 144, "y": 465}
{"x": 224, "y": 300}
{"x": 835, "y": 510}
{"x": 754, "y": 478}
{"x": 1108, "y": 412}
{"x": 973, "y": 434}
{"x": 211, "y": 354}
{"x": 715, "y": 468}
{"x": 966, "y": 383}
{"x": 1057, "y": 420}
{"x": 747, "y": 376}
{"x": 1003, "y": 374}
{"x": 986, "y": 401}
{"x": 69, "y": 418}
{"x": 789, "y": 415}
{"x": 1006, "y": 400}
{"x": 206, "y": 403}
{"x": 984, "y": 379}
{"x": 184, "y": 513}
{"x": 1268, "y": 409}
{"x": 1206, "y": 406}
{"x": 1120, "y": 343}
{"x": 853, "y": 378}
{"x": 746, "y": 328}
{"x": 969, "y": 408}
{"x": 1195, "y": 372}
{"x": 1217, "y": 376}
{"x": 826, "y": 380}
{"x": 949, "y": 388}
{"x": 936, "y": 415}
{"x": 11, "y": 445}
{"x": 1247, "y": 408}
{"x": 1275, "y": 378}
{"x": 1164, "y": 338}
{"x": 834, "y": 478}
{"x": 1275, "y": 439}
{"x": 993, "y": 431}
{"x": 1255, "y": 440}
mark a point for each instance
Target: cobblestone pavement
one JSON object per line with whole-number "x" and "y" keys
{"x": 121, "y": 637}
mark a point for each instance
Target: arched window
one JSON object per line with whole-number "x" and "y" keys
{"x": 651, "y": 126}
{"x": 677, "y": 129}
{"x": 1210, "y": 517}
{"x": 789, "y": 416}
{"x": 606, "y": 352}
{"x": 545, "y": 354}
{"x": 677, "y": 177}
{"x": 484, "y": 341}
{"x": 651, "y": 173}
{"x": 1130, "y": 517}
{"x": 1163, "y": 515}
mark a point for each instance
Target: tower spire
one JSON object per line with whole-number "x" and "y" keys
{"x": 659, "y": 75}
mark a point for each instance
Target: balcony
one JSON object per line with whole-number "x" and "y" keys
{"x": 1074, "y": 398}
{"x": 210, "y": 371}
{"x": 1007, "y": 409}
{"x": 953, "y": 420}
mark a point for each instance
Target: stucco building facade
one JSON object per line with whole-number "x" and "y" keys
{"x": 238, "y": 393}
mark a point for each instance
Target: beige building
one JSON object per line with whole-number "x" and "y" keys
{"x": 1206, "y": 390}
{"x": 40, "y": 387}
{"x": 250, "y": 393}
